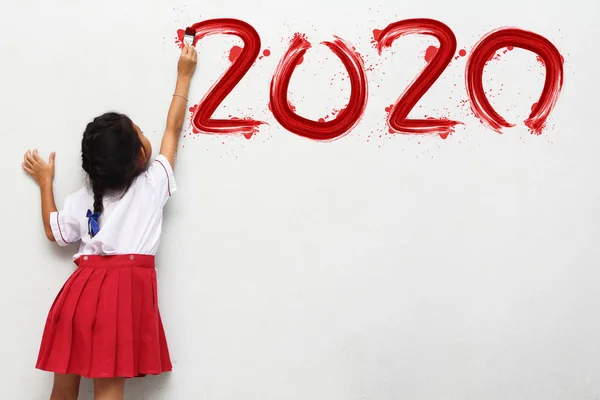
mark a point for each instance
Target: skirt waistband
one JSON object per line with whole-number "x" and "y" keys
{"x": 118, "y": 261}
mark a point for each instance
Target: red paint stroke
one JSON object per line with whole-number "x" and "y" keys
{"x": 510, "y": 38}
{"x": 234, "y": 53}
{"x": 398, "y": 120}
{"x": 347, "y": 118}
{"x": 201, "y": 119}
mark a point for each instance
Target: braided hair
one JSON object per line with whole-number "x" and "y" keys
{"x": 110, "y": 155}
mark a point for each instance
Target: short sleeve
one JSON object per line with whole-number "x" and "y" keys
{"x": 66, "y": 223}
{"x": 162, "y": 179}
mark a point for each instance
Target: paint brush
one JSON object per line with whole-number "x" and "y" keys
{"x": 188, "y": 38}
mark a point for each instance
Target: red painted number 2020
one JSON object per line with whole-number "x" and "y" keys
{"x": 349, "y": 117}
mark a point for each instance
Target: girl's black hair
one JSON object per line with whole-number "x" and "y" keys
{"x": 110, "y": 155}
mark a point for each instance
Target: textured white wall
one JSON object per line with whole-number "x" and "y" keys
{"x": 369, "y": 267}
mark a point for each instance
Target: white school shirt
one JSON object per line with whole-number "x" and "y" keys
{"x": 130, "y": 224}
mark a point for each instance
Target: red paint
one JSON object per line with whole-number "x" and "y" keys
{"x": 376, "y": 34}
{"x": 526, "y": 40}
{"x": 266, "y": 52}
{"x": 201, "y": 119}
{"x": 179, "y": 38}
{"x": 462, "y": 52}
{"x": 540, "y": 60}
{"x": 234, "y": 53}
{"x": 346, "y": 119}
{"x": 398, "y": 120}
{"x": 430, "y": 53}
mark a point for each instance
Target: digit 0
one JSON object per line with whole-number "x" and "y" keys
{"x": 533, "y": 42}
{"x": 346, "y": 119}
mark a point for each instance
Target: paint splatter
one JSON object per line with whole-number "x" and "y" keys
{"x": 179, "y": 38}
{"x": 430, "y": 53}
{"x": 266, "y": 52}
{"x": 234, "y": 53}
{"x": 375, "y": 37}
{"x": 462, "y": 52}
{"x": 533, "y": 106}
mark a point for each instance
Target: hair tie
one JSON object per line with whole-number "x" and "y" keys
{"x": 93, "y": 224}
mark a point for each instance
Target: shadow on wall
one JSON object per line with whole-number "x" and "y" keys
{"x": 64, "y": 254}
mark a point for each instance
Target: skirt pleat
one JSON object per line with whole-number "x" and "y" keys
{"x": 104, "y": 335}
{"x": 83, "y": 322}
{"x": 105, "y": 321}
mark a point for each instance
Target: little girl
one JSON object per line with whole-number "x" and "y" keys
{"x": 104, "y": 323}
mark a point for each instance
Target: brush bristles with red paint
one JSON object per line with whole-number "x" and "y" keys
{"x": 188, "y": 38}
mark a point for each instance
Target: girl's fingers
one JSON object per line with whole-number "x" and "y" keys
{"x": 27, "y": 159}
{"x": 36, "y": 156}
{"x": 27, "y": 169}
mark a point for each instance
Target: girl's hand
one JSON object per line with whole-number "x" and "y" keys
{"x": 40, "y": 170}
{"x": 187, "y": 61}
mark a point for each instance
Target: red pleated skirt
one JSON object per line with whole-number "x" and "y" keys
{"x": 105, "y": 322}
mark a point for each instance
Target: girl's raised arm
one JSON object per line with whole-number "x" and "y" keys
{"x": 185, "y": 70}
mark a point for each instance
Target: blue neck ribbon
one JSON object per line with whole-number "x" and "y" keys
{"x": 93, "y": 224}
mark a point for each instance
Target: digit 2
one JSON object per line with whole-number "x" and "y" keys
{"x": 201, "y": 119}
{"x": 398, "y": 120}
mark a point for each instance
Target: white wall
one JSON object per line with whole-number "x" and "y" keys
{"x": 364, "y": 268}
